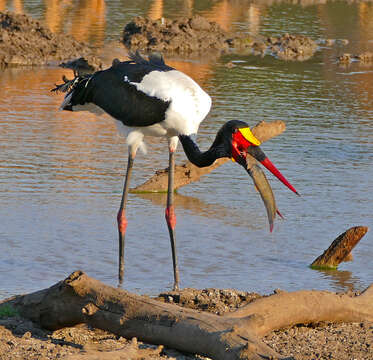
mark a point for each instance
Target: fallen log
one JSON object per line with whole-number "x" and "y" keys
{"x": 340, "y": 249}
{"x": 187, "y": 173}
{"x": 81, "y": 299}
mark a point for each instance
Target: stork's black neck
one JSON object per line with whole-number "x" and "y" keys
{"x": 203, "y": 159}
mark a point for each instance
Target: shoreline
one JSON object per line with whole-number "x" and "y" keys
{"x": 20, "y": 338}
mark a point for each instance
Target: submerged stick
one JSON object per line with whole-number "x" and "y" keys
{"x": 188, "y": 173}
{"x": 340, "y": 249}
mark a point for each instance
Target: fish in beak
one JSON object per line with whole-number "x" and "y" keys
{"x": 246, "y": 151}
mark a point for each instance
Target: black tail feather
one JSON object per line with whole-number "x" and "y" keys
{"x": 69, "y": 85}
{"x": 155, "y": 59}
{"x": 65, "y": 87}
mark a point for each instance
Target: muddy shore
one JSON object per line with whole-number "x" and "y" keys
{"x": 25, "y": 41}
{"x": 196, "y": 36}
{"x": 21, "y": 339}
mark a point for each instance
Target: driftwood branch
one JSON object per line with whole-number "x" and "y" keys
{"x": 187, "y": 173}
{"x": 340, "y": 249}
{"x": 305, "y": 307}
{"x": 80, "y": 298}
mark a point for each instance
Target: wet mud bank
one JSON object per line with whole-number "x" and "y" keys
{"x": 186, "y": 36}
{"x": 25, "y": 41}
{"x": 363, "y": 58}
{"x": 198, "y": 36}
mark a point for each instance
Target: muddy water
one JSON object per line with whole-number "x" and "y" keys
{"x": 61, "y": 174}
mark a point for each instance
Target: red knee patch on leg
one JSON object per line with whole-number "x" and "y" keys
{"x": 171, "y": 217}
{"x": 122, "y": 221}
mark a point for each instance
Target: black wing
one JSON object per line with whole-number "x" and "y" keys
{"x": 113, "y": 92}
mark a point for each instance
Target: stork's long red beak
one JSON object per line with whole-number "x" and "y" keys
{"x": 243, "y": 141}
{"x": 273, "y": 169}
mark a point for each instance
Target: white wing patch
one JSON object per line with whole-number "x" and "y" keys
{"x": 189, "y": 103}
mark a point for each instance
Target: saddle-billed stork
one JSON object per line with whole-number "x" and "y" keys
{"x": 148, "y": 97}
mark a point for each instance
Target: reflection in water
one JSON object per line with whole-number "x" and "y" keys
{"x": 341, "y": 280}
{"x": 55, "y": 13}
{"x": 223, "y": 13}
{"x": 156, "y": 10}
{"x": 62, "y": 130}
{"x": 196, "y": 70}
{"x": 198, "y": 207}
{"x": 89, "y": 21}
{"x": 365, "y": 20}
{"x": 254, "y": 15}
{"x": 13, "y": 5}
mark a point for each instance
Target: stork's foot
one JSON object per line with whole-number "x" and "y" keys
{"x": 176, "y": 287}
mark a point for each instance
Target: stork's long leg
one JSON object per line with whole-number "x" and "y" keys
{"x": 170, "y": 214}
{"x": 121, "y": 217}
